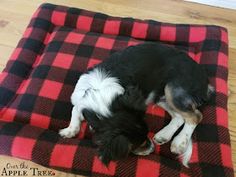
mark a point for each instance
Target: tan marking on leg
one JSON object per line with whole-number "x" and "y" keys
{"x": 193, "y": 117}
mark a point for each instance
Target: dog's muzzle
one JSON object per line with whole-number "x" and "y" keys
{"x": 145, "y": 149}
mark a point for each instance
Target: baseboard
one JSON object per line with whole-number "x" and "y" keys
{"x": 229, "y": 4}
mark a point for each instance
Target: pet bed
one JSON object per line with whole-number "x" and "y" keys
{"x": 59, "y": 44}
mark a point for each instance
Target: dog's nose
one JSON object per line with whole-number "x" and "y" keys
{"x": 145, "y": 149}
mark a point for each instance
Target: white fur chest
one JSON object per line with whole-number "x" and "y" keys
{"x": 96, "y": 90}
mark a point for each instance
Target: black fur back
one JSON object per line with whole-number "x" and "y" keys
{"x": 151, "y": 66}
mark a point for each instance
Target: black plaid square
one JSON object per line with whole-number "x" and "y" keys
{"x": 61, "y": 110}
{"x": 33, "y": 45}
{"x": 54, "y": 46}
{"x": 84, "y": 51}
{"x": 5, "y": 96}
{"x": 41, "y": 72}
{"x": 20, "y": 69}
{"x": 27, "y": 103}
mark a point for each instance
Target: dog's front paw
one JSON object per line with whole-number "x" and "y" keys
{"x": 179, "y": 145}
{"x": 143, "y": 151}
{"x": 68, "y": 132}
{"x": 162, "y": 137}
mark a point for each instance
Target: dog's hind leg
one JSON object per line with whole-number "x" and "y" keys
{"x": 182, "y": 143}
{"x": 180, "y": 101}
{"x": 165, "y": 134}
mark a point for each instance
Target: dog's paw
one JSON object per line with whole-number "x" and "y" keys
{"x": 144, "y": 151}
{"x": 162, "y": 137}
{"x": 68, "y": 132}
{"x": 179, "y": 145}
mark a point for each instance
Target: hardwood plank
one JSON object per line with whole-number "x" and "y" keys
{"x": 232, "y": 102}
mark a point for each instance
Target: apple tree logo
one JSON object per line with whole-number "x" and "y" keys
{"x": 23, "y": 169}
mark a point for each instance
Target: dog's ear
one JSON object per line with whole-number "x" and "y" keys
{"x": 117, "y": 148}
{"x": 91, "y": 118}
{"x": 133, "y": 98}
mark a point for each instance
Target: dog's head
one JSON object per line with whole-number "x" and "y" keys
{"x": 124, "y": 131}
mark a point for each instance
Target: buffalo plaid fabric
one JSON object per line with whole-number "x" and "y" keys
{"x": 59, "y": 44}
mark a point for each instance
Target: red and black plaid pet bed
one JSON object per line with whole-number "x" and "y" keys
{"x": 59, "y": 44}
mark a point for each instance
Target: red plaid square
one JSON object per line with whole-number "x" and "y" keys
{"x": 155, "y": 110}
{"x": 39, "y": 120}
{"x": 47, "y": 39}
{"x": 226, "y": 158}
{"x": 139, "y": 30}
{"x": 61, "y": 159}
{"x": 63, "y": 60}
{"x": 27, "y": 32}
{"x": 38, "y": 60}
{"x": 157, "y": 149}
{"x": 15, "y": 54}
{"x": 84, "y": 22}
{"x": 112, "y": 27}
{"x": 92, "y": 62}
{"x": 50, "y": 89}
{"x": 224, "y": 36}
{"x": 192, "y": 55}
{"x": 82, "y": 130}
{"x": 168, "y": 33}
{"x": 22, "y": 147}
{"x": 105, "y": 43}
{"x": 133, "y": 43}
{"x": 222, "y": 117}
{"x": 197, "y": 34}
{"x": 75, "y": 38}
{"x": 58, "y": 18}
{"x": 183, "y": 175}
{"x": 198, "y": 57}
{"x": 24, "y": 86}
{"x": 221, "y": 85}
{"x": 9, "y": 115}
{"x": 52, "y": 36}
{"x": 222, "y": 60}
{"x": 144, "y": 168}
{"x": 2, "y": 76}
{"x": 194, "y": 157}
{"x": 99, "y": 167}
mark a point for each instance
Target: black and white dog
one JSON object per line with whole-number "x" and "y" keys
{"x": 113, "y": 96}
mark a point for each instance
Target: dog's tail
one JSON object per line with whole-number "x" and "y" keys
{"x": 185, "y": 157}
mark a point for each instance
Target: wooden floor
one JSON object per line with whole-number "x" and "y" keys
{"x": 15, "y": 15}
